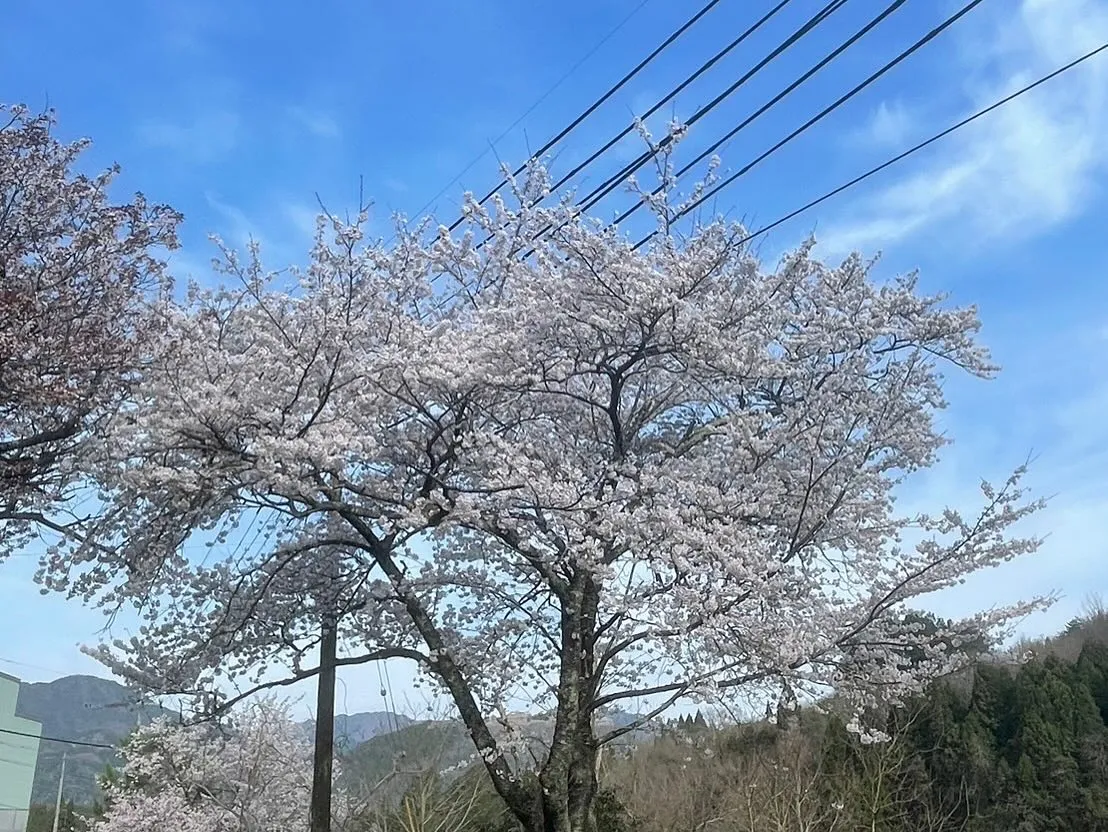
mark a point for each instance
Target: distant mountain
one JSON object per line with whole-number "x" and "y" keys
{"x": 620, "y": 719}
{"x": 388, "y": 764}
{"x": 373, "y": 746}
{"x": 94, "y": 710}
{"x": 351, "y": 730}
{"x": 84, "y": 708}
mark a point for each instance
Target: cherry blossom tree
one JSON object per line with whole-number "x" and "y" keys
{"x": 252, "y": 774}
{"x": 548, "y": 466}
{"x": 75, "y": 274}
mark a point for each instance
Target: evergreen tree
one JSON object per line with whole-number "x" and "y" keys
{"x": 1092, "y": 669}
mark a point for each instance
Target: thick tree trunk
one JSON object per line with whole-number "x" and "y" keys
{"x": 567, "y": 793}
{"x": 583, "y": 786}
{"x": 568, "y": 780}
{"x": 320, "y": 812}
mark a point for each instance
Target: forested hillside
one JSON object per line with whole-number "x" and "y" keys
{"x": 83, "y": 708}
{"x": 1010, "y": 748}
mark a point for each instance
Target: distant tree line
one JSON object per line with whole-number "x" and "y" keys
{"x": 1006, "y": 747}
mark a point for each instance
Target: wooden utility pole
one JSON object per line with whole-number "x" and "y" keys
{"x": 320, "y": 813}
{"x": 61, "y": 785}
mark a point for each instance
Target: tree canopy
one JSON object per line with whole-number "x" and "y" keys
{"x": 544, "y": 465}
{"x": 78, "y": 276}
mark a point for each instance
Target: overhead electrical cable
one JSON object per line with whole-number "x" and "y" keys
{"x": 615, "y": 179}
{"x": 588, "y": 111}
{"x": 830, "y": 108}
{"x": 809, "y": 25}
{"x": 565, "y": 77}
{"x": 661, "y": 102}
{"x": 32, "y": 666}
{"x": 55, "y": 739}
{"x": 888, "y": 163}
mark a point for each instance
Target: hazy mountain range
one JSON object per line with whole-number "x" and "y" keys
{"x": 374, "y": 746}
{"x": 351, "y": 730}
{"x": 102, "y": 712}
{"x": 83, "y": 708}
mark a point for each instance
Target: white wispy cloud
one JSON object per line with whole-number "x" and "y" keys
{"x": 300, "y": 217}
{"x": 1029, "y": 165}
{"x": 209, "y": 136}
{"x": 316, "y": 122}
{"x": 237, "y": 229}
{"x": 283, "y": 227}
{"x": 890, "y": 125}
{"x": 1068, "y": 564}
{"x": 1051, "y": 410}
{"x": 192, "y": 264}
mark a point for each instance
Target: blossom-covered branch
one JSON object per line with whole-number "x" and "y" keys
{"x": 77, "y": 276}
{"x": 254, "y": 774}
{"x": 564, "y": 480}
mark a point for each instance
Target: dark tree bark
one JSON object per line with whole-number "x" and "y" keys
{"x": 568, "y": 780}
{"x": 323, "y": 763}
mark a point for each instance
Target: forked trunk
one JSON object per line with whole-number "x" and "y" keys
{"x": 568, "y": 780}
{"x": 568, "y": 792}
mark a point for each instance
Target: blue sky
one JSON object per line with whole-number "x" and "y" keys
{"x": 239, "y": 114}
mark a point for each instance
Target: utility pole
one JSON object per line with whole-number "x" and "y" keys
{"x": 61, "y": 785}
{"x": 320, "y": 813}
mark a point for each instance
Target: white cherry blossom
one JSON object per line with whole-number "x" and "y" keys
{"x": 546, "y": 467}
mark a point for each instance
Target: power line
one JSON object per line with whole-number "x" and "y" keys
{"x": 535, "y": 103}
{"x": 613, "y": 181}
{"x": 995, "y": 105}
{"x": 809, "y": 25}
{"x": 392, "y": 696}
{"x": 32, "y": 666}
{"x": 55, "y": 739}
{"x": 919, "y": 44}
{"x": 673, "y": 93}
{"x": 386, "y": 692}
{"x": 688, "y": 24}
{"x": 392, "y": 721}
